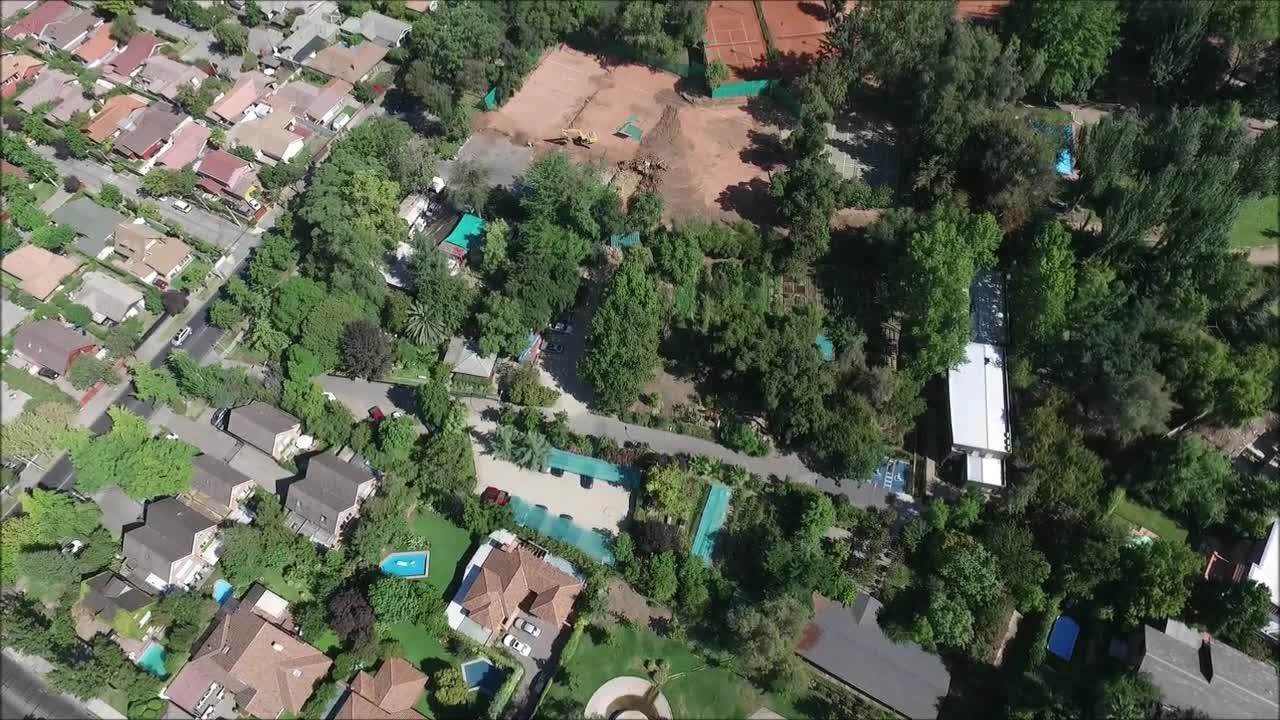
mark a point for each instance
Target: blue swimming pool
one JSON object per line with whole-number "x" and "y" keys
{"x": 407, "y": 564}
{"x": 152, "y": 660}
{"x": 221, "y": 591}
{"x": 482, "y": 675}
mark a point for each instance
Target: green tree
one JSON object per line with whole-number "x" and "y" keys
{"x": 366, "y": 350}
{"x": 659, "y": 580}
{"x": 295, "y": 299}
{"x": 1154, "y": 581}
{"x": 41, "y": 430}
{"x": 110, "y": 196}
{"x": 433, "y": 402}
{"x": 502, "y": 326}
{"x": 1075, "y": 39}
{"x": 424, "y": 325}
{"x": 144, "y": 467}
{"x": 936, "y": 270}
{"x": 717, "y": 74}
{"x": 1188, "y": 478}
{"x": 642, "y": 27}
{"x": 1233, "y": 612}
{"x": 493, "y": 253}
{"x": 78, "y": 315}
{"x": 1044, "y": 285}
{"x": 1023, "y": 569}
{"x": 449, "y": 688}
{"x": 87, "y": 371}
{"x": 322, "y": 332}
{"x": 53, "y": 237}
{"x": 116, "y": 8}
{"x": 225, "y": 314}
{"x": 396, "y": 601}
{"x": 766, "y": 633}
{"x": 1127, "y": 696}
{"x": 668, "y": 487}
{"x": 154, "y": 385}
{"x": 622, "y": 346}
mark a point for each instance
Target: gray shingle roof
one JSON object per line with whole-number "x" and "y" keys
{"x": 216, "y": 480}
{"x": 329, "y": 487}
{"x": 50, "y": 344}
{"x": 848, "y": 644}
{"x": 108, "y": 593}
{"x": 1210, "y": 676}
{"x": 167, "y": 535}
{"x": 259, "y": 423}
{"x": 107, "y": 296}
{"x": 93, "y": 224}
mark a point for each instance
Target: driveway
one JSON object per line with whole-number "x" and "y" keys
{"x": 199, "y": 223}
{"x": 603, "y": 507}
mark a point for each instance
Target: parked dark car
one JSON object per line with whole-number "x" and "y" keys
{"x": 554, "y": 349}
{"x": 45, "y": 372}
{"x": 219, "y": 418}
{"x": 586, "y": 481}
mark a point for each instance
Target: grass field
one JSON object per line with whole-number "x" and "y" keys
{"x": 449, "y": 546}
{"x": 1257, "y": 224}
{"x": 1157, "y": 522}
{"x": 702, "y": 692}
{"x": 43, "y": 191}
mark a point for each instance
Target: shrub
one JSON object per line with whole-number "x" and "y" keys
{"x": 522, "y": 387}
{"x": 741, "y": 436}
{"x": 78, "y": 315}
{"x": 717, "y": 74}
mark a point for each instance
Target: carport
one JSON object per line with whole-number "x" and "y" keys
{"x": 595, "y": 468}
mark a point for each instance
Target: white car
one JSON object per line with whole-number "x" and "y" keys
{"x": 182, "y": 336}
{"x": 511, "y": 642}
{"x": 528, "y": 628}
{"x": 182, "y": 206}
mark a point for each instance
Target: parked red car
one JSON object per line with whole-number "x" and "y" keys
{"x": 376, "y": 414}
{"x": 494, "y": 495}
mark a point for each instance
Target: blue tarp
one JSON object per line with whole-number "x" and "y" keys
{"x": 592, "y": 542}
{"x": 625, "y": 240}
{"x": 592, "y": 467}
{"x": 1062, "y": 640}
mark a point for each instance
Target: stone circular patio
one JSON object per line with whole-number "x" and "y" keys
{"x": 623, "y": 698}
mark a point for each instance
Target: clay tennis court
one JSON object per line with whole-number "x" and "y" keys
{"x": 733, "y": 36}
{"x": 702, "y": 143}
{"x": 798, "y": 28}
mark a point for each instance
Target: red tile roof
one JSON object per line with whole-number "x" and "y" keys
{"x": 8, "y": 168}
{"x": 139, "y": 49}
{"x": 97, "y": 46}
{"x": 221, "y": 165}
{"x": 37, "y": 20}
{"x": 511, "y": 577}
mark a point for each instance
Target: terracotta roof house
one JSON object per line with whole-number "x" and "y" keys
{"x": 38, "y": 271}
{"x": 8, "y": 168}
{"x": 148, "y": 254}
{"x": 266, "y": 427}
{"x": 187, "y": 145}
{"x": 218, "y": 488}
{"x": 96, "y": 47}
{"x": 507, "y": 576}
{"x": 116, "y": 112}
{"x": 38, "y": 19}
{"x": 322, "y": 501}
{"x": 848, "y": 645}
{"x": 390, "y": 694}
{"x": 52, "y": 86}
{"x": 328, "y": 101}
{"x": 108, "y": 298}
{"x": 122, "y": 67}
{"x": 165, "y": 76}
{"x": 272, "y": 135}
{"x": 418, "y": 6}
{"x": 150, "y": 132}
{"x": 247, "y": 667}
{"x": 350, "y": 64}
{"x": 69, "y": 30}
{"x": 235, "y": 103}
{"x": 50, "y": 344}
{"x": 220, "y": 172}
{"x": 1192, "y": 670}
{"x": 107, "y": 594}
{"x": 376, "y": 27}
{"x": 17, "y": 68}
{"x": 174, "y": 544}
{"x": 93, "y": 224}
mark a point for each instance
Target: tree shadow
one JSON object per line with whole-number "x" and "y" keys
{"x": 814, "y": 9}
{"x": 767, "y": 110}
{"x": 750, "y": 200}
{"x": 764, "y": 150}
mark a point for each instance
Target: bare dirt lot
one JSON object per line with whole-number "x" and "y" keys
{"x": 710, "y": 148}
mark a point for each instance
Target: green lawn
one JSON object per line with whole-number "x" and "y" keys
{"x": 275, "y": 583}
{"x": 1157, "y": 522}
{"x": 1257, "y": 224}
{"x": 702, "y": 693}
{"x": 449, "y": 546}
{"x": 43, "y": 191}
{"x": 38, "y": 389}
{"x": 419, "y": 645}
{"x": 328, "y": 641}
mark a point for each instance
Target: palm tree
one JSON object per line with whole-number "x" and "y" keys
{"x": 423, "y": 326}
{"x": 504, "y": 443}
{"x": 531, "y": 450}
{"x": 660, "y": 673}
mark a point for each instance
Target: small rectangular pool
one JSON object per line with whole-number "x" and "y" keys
{"x": 480, "y": 674}
{"x": 407, "y": 564}
{"x": 221, "y": 591}
{"x": 152, "y": 660}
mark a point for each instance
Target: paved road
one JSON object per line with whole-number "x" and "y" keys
{"x": 360, "y": 395}
{"x": 199, "y": 223}
{"x": 23, "y": 694}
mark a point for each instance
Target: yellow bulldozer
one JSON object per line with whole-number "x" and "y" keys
{"x": 579, "y": 137}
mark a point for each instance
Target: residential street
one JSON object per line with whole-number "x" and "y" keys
{"x": 360, "y": 395}
{"x": 23, "y": 695}
{"x": 199, "y": 223}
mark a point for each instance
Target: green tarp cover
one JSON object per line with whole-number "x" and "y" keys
{"x": 469, "y": 228}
